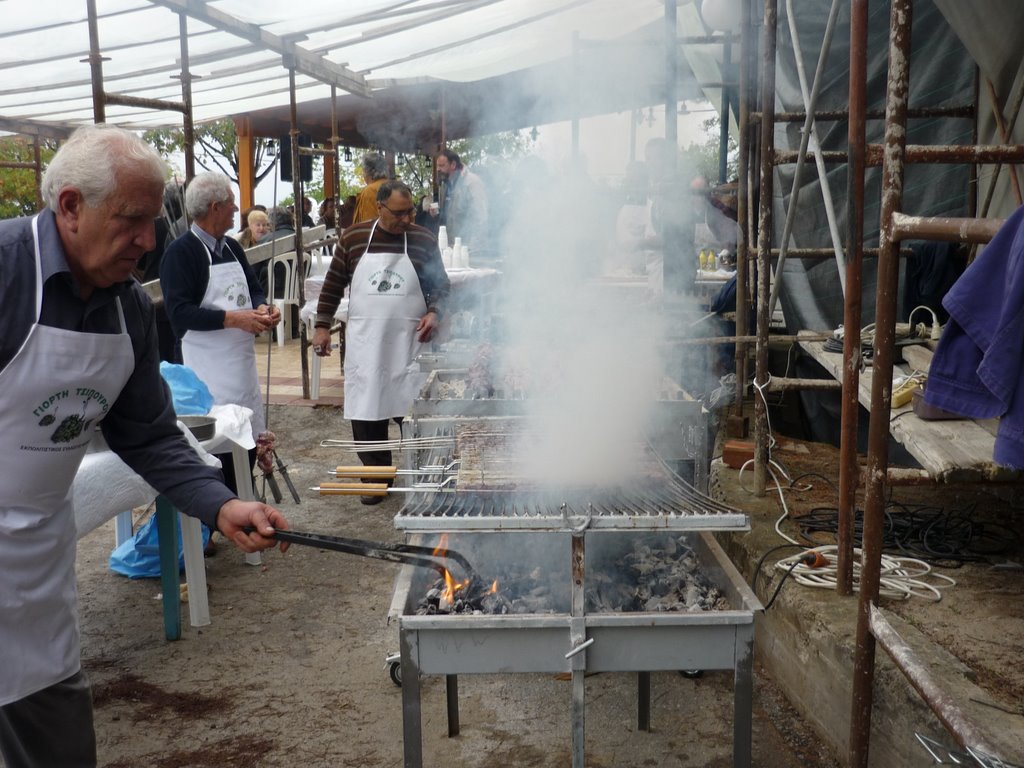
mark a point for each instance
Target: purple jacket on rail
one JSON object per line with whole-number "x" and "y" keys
{"x": 978, "y": 368}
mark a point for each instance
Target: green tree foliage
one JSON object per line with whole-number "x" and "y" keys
{"x": 18, "y": 185}
{"x": 418, "y": 170}
{"x": 496, "y": 147}
{"x": 703, "y": 156}
{"x": 216, "y": 148}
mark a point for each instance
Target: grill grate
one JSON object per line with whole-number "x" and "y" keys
{"x": 644, "y": 507}
{"x": 658, "y": 501}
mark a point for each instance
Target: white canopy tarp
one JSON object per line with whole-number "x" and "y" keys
{"x": 45, "y": 73}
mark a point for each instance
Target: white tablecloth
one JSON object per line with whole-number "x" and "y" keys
{"x": 105, "y": 486}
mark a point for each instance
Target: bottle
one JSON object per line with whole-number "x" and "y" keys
{"x": 464, "y": 261}
{"x": 711, "y": 260}
{"x": 446, "y": 257}
{"x": 442, "y": 237}
{"x": 703, "y": 259}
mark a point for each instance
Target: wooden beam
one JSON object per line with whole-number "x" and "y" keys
{"x": 246, "y": 163}
{"x": 29, "y": 128}
{"x": 305, "y": 62}
{"x": 329, "y": 181}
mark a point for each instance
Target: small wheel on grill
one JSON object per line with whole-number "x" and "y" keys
{"x": 692, "y": 674}
{"x": 395, "y": 672}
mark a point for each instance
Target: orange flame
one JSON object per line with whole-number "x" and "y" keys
{"x": 451, "y": 586}
{"x": 441, "y": 550}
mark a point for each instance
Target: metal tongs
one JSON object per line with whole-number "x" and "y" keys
{"x": 408, "y": 554}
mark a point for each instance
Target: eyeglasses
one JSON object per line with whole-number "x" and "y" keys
{"x": 399, "y": 214}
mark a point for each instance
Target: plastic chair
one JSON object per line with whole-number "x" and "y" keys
{"x": 289, "y": 294}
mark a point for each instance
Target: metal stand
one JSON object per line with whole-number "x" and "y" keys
{"x": 492, "y": 644}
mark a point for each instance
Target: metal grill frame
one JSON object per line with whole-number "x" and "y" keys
{"x": 641, "y": 507}
{"x": 578, "y": 642}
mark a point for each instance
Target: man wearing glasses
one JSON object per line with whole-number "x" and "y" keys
{"x": 397, "y": 286}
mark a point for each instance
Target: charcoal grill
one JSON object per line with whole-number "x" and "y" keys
{"x": 440, "y": 395}
{"x": 569, "y": 638}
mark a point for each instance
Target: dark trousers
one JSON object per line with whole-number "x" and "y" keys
{"x": 52, "y": 727}
{"x": 371, "y": 431}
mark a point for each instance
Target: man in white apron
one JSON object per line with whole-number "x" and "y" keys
{"x": 397, "y": 285}
{"x": 79, "y": 350}
{"x": 215, "y": 302}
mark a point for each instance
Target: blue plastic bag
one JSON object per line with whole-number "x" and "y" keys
{"x": 191, "y": 396}
{"x": 139, "y": 556}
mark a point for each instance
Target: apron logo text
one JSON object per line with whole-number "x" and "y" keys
{"x": 45, "y": 405}
{"x": 387, "y": 280}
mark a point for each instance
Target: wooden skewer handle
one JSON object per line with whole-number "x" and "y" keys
{"x": 353, "y": 489}
{"x": 363, "y": 471}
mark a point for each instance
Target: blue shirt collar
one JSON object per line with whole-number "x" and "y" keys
{"x": 208, "y": 240}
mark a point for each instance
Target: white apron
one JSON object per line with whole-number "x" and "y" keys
{"x": 226, "y": 359}
{"x": 53, "y": 393}
{"x": 385, "y": 305}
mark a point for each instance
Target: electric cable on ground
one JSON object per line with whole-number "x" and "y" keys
{"x": 901, "y": 577}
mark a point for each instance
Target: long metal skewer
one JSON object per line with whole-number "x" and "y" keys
{"x": 378, "y": 489}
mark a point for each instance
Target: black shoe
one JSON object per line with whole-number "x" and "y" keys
{"x": 368, "y": 500}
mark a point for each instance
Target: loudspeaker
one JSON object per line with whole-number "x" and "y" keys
{"x": 305, "y": 161}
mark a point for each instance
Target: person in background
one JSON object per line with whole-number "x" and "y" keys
{"x": 307, "y": 210}
{"x": 428, "y": 215}
{"x": 633, "y": 223}
{"x": 282, "y": 224}
{"x": 397, "y": 287}
{"x": 375, "y": 173}
{"x": 327, "y": 213}
{"x": 245, "y": 219}
{"x": 79, "y": 350}
{"x": 169, "y": 225}
{"x": 259, "y": 225}
{"x": 347, "y": 212}
{"x": 463, "y": 203}
{"x": 675, "y": 208}
{"x": 215, "y": 302}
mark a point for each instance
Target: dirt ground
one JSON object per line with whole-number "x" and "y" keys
{"x": 291, "y": 671}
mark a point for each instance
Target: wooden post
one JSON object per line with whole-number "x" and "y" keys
{"x": 246, "y": 163}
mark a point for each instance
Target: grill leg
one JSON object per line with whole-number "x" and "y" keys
{"x": 412, "y": 723}
{"x": 451, "y": 692}
{"x": 643, "y": 701}
{"x": 577, "y": 636}
{"x": 743, "y": 715}
{"x": 578, "y": 729}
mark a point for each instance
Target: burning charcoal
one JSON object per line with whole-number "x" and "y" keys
{"x": 692, "y": 595}
{"x": 665, "y": 603}
{"x": 494, "y": 603}
{"x": 660, "y": 587}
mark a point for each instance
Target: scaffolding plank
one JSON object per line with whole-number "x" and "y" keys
{"x": 957, "y": 451}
